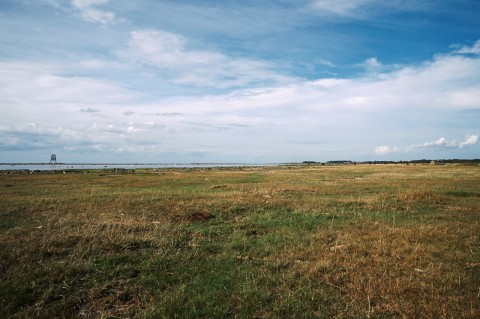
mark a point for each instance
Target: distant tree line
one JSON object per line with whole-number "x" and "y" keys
{"x": 419, "y": 161}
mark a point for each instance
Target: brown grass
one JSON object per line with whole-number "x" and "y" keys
{"x": 364, "y": 241}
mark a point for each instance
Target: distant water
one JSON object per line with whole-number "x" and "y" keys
{"x": 88, "y": 166}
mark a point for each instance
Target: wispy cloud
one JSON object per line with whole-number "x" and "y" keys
{"x": 324, "y": 62}
{"x": 363, "y": 9}
{"x": 170, "y": 52}
{"x": 372, "y": 64}
{"x": 373, "y": 67}
{"x": 474, "y": 49}
{"x": 439, "y": 144}
{"x": 340, "y": 7}
{"x": 90, "y": 12}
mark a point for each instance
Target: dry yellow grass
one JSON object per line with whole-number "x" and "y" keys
{"x": 364, "y": 241}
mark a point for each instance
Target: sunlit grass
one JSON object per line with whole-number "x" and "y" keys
{"x": 363, "y": 241}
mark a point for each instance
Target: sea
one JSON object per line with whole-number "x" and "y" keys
{"x": 90, "y": 166}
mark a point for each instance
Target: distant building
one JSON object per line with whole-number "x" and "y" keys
{"x": 53, "y": 159}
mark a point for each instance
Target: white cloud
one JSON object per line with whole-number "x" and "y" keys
{"x": 88, "y": 10}
{"x": 373, "y": 67}
{"x": 325, "y": 62}
{"x": 384, "y": 150}
{"x": 29, "y": 91}
{"x": 469, "y": 140}
{"x": 364, "y": 9}
{"x": 84, "y": 4}
{"x": 474, "y": 49}
{"x": 446, "y": 83}
{"x": 339, "y": 7}
{"x": 372, "y": 64}
{"x": 54, "y": 3}
{"x": 169, "y": 51}
{"x": 441, "y": 143}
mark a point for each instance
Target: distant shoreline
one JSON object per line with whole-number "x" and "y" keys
{"x": 147, "y": 164}
{"x": 95, "y": 166}
{"x": 92, "y": 166}
{"x": 251, "y": 163}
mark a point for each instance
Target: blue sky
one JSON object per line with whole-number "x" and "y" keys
{"x": 239, "y": 81}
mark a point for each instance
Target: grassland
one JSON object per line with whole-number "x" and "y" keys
{"x": 363, "y": 241}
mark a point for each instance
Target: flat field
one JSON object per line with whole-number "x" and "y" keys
{"x": 358, "y": 241}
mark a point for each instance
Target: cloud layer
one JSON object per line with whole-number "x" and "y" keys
{"x": 278, "y": 114}
{"x": 440, "y": 144}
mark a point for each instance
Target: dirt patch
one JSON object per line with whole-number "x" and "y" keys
{"x": 199, "y": 216}
{"x": 219, "y": 186}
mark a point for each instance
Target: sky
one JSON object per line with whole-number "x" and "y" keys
{"x": 241, "y": 81}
